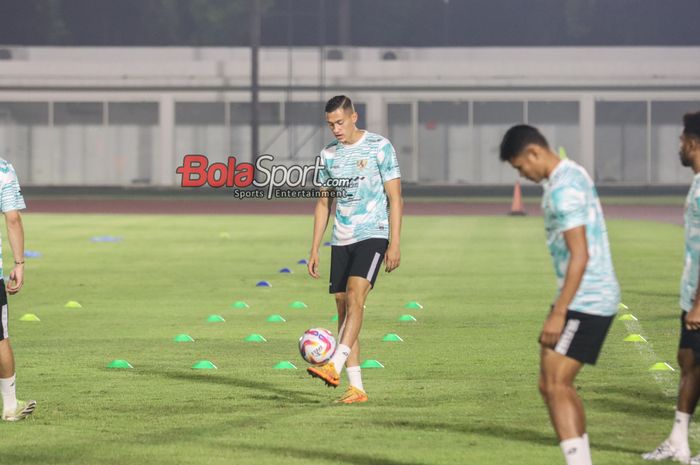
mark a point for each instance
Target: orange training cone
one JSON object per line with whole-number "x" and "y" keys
{"x": 516, "y": 207}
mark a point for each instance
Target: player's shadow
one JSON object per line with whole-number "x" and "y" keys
{"x": 498, "y": 431}
{"x": 335, "y": 457}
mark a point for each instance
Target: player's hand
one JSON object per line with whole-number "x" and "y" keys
{"x": 552, "y": 329}
{"x": 313, "y": 265}
{"x": 692, "y": 319}
{"x": 16, "y": 280}
{"x": 392, "y": 258}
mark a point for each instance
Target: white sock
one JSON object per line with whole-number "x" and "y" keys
{"x": 679, "y": 433}
{"x": 355, "y": 377}
{"x": 9, "y": 398}
{"x": 588, "y": 444}
{"x": 575, "y": 451}
{"x": 340, "y": 356}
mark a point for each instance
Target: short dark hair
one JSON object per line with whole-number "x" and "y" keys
{"x": 517, "y": 138}
{"x": 691, "y": 124}
{"x": 339, "y": 101}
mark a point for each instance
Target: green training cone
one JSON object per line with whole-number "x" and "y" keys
{"x": 276, "y": 319}
{"x": 73, "y": 304}
{"x": 635, "y": 338}
{"x": 298, "y": 304}
{"x": 661, "y": 366}
{"x": 392, "y": 337}
{"x": 183, "y": 338}
{"x": 371, "y": 364}
{"x": 240, "y": 304}
{"x": 562, "y": 154}
{"x": 204, "y": 365}
{"x": 413, "y": 304}
{"x": 407, "y": 318}
{"x": 284, "y": 366}
{"x": 255, "y": 338}
{"x": 627, "y": 317}
{"x": 215, "y": 319}
{"x": 29, "y": 317}
{"x": 622, "y": 306}
{"x": 119, "y": 364}
{"x": 334, "y": 318}
{"x": 224, "y": 235}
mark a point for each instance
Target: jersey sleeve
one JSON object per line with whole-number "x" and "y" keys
{"x": 388, "y": 163}
{"x": 10, "y": 194}
{"x": 569, "y": 204}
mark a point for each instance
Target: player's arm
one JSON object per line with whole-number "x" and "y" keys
{"x": 321, "y": 214}
{"x": 692, "y": 319}
{"x": 575, "y": 239}
{"x": 393, "y": 253}
{"x": 15, "y": 233}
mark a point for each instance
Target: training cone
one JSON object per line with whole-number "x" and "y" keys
{"x": 635, "y": 338}
{"x": 255, "y": 338}
{"x": 326, "y": 244}
{"x": 31, "y": 254}
{"x": 29, "y": 317}
{"x": 224, "y": 235}
{"x": 240, "y": 304}
{"x": 284, "y": 366}
{"x": 215, "y": 319}
{"x": 204, "y": 365}
{"x": 661, "y": 366}
{"x": 263, "y": 284}
{"x": 334, "y": 318}
{"x": 413, "y": 304}
{"x": 622, "y": 306}
{"x": 119, "y": 364}
{"x": 298, "y": 304}
{"x": 183, "y": 338}
{"x": 627, "y": 317}
{"x": 562, "y": 154}
{"x": 392, "y": 337}
{"x": 407, "y": 318}
{"x": 302, "y": 262}
{"x": 73, "y": 304}
{"x": 516, "y": 207}
{"x": 371, "y": 364}
{"x": 276, "y": 319}
{"x": 286, "y": 270}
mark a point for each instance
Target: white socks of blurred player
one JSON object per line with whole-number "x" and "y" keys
{"x": 576, "y": 451}
{"x": 9, "y": 398}
{"x": 679, "y": 433}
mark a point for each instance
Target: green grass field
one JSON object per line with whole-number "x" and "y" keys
{"x": 460, "y": 389}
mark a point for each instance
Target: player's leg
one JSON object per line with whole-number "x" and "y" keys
{"x": 355, "y": 296}
{"x": 356, "y": 391}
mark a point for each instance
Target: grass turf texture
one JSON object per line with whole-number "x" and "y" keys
{"x": 460, "y": 389}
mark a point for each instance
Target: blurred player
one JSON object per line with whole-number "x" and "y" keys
{"x": 588, "y": 292}
{"x": 366, "y": 231}
{"x": 676, "y": 445}
{"x": 11, "y": 201}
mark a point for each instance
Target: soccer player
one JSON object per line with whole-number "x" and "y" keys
{"x": 676, "y": 445}
{"x": 588, "y": 292}
{"x": 367, "y": 230}
{"x": 11, "y": 201}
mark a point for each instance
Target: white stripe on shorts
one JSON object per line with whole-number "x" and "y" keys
{"x": 377, "y": 256}
{"x": 5, "y": 335}
{"x": 567, "y": 336}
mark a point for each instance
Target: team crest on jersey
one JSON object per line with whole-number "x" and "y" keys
{"x": 361, "y": 164}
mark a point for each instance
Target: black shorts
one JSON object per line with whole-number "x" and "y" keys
{"x": 689, "y": 339}
{"x": 583, "y": 336}
{"x": 363, "y": 259}
{"x": 3, "y": 312}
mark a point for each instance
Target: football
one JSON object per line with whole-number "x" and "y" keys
{"x": 317, "y": 345}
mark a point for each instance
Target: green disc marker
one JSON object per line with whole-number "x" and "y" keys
{"x": 183, "y": 338}
{"x": 255, "y": 338}
{"x": 661, "y": 366}
{"x": 334, "y": 318}
{"x": 635, "y": 338}
{"x": 276, "y": 319}
{"x": 413, "y": 304}
{"x": 215, "y": 319}
{"x": 240, "y": 304}
{"x": 204, "y": 365}
{"x": 224, "y": 235}
{"x": 298, "y": 304}
{"x": 73, "y": 304}
{"x": 284, "y": 366}
{"x": 119, "y": 364}
{"x": 29, "y": 317}
{"x": 627, "y": 317}
{"x": 392, "y": 337}
{"x": 371, "y": 364}
{"x": 562, "y": 154}
{"x": 407, "y": 318}
{"x": 622, "y": 306}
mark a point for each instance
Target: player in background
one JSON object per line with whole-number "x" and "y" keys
{"x": 11, "y": 201}
{"x": 676, "y": 445}
{"x": 588, "y": 293}
{"x": 367, "y": 230}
